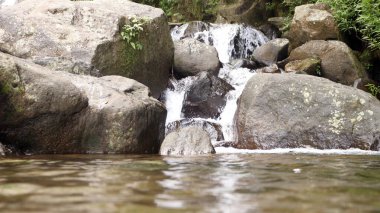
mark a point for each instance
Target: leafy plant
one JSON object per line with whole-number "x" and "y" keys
{"x": 130, "y": 32}
{"x": 358, "y": 17}
{"x": 375, "y": 90}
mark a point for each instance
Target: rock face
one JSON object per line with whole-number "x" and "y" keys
{"x": 271, "y": 52}
{"x": 281, "y": 111}
{"x": 311, "y": 66}
{"x": 57, "y": 112}
{"x": 187, "y": 141}
{"x": 252, "y": 12}
{"x": 192, "y": 57}
{"x": 338, "y": 63}
{"x": 84, "y": 37}
{"x": 214, "y": 130}
{"x": 205, "y": 97}
{"x": 312, "y": 22}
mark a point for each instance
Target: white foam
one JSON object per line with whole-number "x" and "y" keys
{"x": 230, "y": 150}
{"x": 8, "y": 2}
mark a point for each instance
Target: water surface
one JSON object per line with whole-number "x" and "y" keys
{"x": 218, "y": 183}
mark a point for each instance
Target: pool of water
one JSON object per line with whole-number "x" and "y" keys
{"x": 254, "y": 182}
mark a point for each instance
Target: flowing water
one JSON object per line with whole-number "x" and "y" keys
{"x": 232, "y": 41}
{"x": 288, "y": 182}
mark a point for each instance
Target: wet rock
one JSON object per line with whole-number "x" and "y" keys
{"x": 338, "y": 62}
{"x": 57, "y": 112}
{"x": 271, "y": 52}
{"x": 187, "y": 141}
{"x": 290, "y": 111}
{"x": 279, "y": 22}
{"x": 271, "y": 31}
{"x": 192, "y": 57}
{"x": 312, "y": 22}
{"x": 83, "y": 37}
{"x": 195, "y": 27}
{"x": 213, "y": 129}
{"x": 243, "y": 63}
{"x": 269, "y": 69}
{"x": 311, "y": 66}
{"x": 205, "y": 97}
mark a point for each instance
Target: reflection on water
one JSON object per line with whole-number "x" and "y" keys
{"x": 218, "y": 183}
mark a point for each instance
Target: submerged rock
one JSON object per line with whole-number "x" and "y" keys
{"x": 312, "y": 22}
{"x": 205, "y": 97}
{"x": 84, "y": 37}
{"x": 192, "y": 57}
{"x": 213, "y": 129}
{"x": 187, "y": 141}
{"x": 290, "y": 111}
{"x": 58, "y": 112}
{"x": 338, "y": 62}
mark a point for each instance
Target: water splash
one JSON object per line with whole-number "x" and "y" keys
{"x": 8, "y": 2}
{"x": 232, "y": 41}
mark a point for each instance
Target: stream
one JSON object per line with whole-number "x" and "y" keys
{"x": 261, "y": 182}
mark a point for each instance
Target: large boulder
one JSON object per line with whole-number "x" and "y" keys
{"x": 43, "y": 111}
{"x": 312, "y": 22}
{"x": 272, "y": 51}
{"x": 187, "y": 141}
{"x": 85, "y": 37}
{"x": 338, "y": 62}
{"x": 290, "y": 111}
{"x": 205, "y": 98}
{"x": 213, "y": 129}
{"x": 252, "y": 12}
{"x": 192, "y": 57}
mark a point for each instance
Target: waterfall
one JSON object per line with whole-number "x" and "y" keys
{"x": 8, "y": 2}
{"x": 232, "y": 41}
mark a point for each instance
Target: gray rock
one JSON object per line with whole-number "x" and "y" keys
{"x": 290, "y": 111}
{"x": 338, "y": 62}
{"x": 312, "y": 22}
{"x": 269, "y": 69}
{"x": 187, "y": 141}
{"x": 311, "y": 66}
{"x": 271, "y": 52}
{"x": 83, "y": 37}
{"x": 213, "y": 129}
{"x": 242, "y": 63}
{"x": 205, "y": 98}
{"x": 57, "y": 112}
{"x": 192, "y": 57}
{"x": 251, "y": 12}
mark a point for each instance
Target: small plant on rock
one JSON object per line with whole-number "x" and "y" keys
{"x": 130, "y": 32}
{"x": 375, "y": 90}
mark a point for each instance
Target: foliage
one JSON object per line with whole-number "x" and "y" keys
{"x": 369, "y": 21}
{"x": 375, "y": 90}
{"x": 318, "y": 70}
{"x": 131, "y": 31}
{"x": 358, "y": 17}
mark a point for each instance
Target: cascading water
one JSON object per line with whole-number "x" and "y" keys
{"x": 8, "y": 2}
{"x": 232, "y": 41}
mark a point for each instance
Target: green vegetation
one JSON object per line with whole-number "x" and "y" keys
{"x": 375, "y": 90}
{"x": 131, "y": 31}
